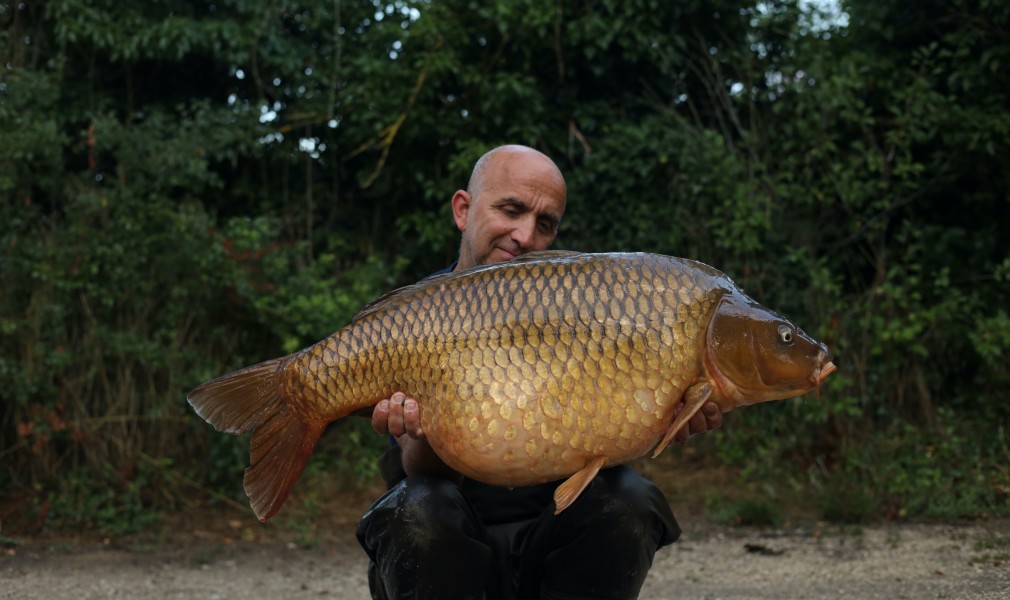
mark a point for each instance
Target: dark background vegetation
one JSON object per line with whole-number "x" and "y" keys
{"x": 191, "y": 187}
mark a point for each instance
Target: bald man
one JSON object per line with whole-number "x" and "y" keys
{"x": 435, "y": 534}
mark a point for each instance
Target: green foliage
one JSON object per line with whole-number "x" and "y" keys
{"x": 190, "y": 188}
{"x": 350, "y": 448}
{"x": 945, "y": 475}
{"x": 843, "y": 500}
{"x": 749, "y": 512}
{"x": 101, "y": 501}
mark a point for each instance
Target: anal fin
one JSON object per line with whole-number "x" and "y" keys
{"x": 694, "y": 398}
{"x": 572, "y": 487}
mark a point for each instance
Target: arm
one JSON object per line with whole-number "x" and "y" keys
{"x": 400, "y": 417}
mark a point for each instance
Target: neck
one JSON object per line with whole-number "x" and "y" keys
{"x": 465, "y": 260}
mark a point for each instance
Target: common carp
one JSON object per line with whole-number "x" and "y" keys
{"x": 555, "y": 364}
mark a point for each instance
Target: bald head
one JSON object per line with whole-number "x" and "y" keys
{"x": 505, "y": 153}
{"x": 512, "y": 205}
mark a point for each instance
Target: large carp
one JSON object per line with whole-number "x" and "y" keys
{"x": 552, "y": 365}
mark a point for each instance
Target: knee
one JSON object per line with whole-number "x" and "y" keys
{"x": 414, "y": 510}
{"x": 427, "y": 500}
{"x": 620, "y": 511}
{"x": 623, "y": 505}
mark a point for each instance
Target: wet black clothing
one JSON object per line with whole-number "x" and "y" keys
{"x": 427, "y": 538}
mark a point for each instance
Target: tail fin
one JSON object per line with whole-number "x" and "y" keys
{"x": 252, "y": 400}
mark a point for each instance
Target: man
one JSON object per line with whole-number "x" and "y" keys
{"x": 435, "y": 534}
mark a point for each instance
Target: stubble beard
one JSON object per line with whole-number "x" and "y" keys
{"x": 466, "y": 256}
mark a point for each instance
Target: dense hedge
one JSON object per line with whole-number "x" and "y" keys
{"x": 192, "y": 187}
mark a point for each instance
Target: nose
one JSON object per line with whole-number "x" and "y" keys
{"x": 524, "y": 233}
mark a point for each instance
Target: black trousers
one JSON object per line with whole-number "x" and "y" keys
{"x": 426, "y": 541}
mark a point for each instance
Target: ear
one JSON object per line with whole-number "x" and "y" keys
{"x": 461, "y": 202}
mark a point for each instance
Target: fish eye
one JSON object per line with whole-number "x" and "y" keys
{"x": 785, "y": 334}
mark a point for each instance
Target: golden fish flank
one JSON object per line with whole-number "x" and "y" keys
{"x": 552, "y": 365}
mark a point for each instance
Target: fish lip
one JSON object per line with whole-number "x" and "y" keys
{"x": 818, "y": 377}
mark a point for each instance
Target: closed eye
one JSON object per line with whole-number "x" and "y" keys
{"x": 512, "y": 208}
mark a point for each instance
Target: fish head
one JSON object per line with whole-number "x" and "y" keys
{"x": 754, "y": 354}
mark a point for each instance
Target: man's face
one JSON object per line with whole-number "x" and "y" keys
{"x": 516, "y": 210}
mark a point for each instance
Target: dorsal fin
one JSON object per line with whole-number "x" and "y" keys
{"x": 434, "y": 280}
{"x": 544, "y": 255}
{"x": 382, "y": 300}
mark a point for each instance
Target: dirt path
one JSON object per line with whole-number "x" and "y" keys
{"x": 890, "y": 561}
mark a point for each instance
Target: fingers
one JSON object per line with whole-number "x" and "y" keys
{"x": 713, "y": 416}
{"x": 697, "y": 424}
{"x": 681, "y": 436}
{"x": 397, "y": 416}
{"x": 380, "y": 417}
{"x": 396, "y": 427}
{"x": 706, "y": 419}
{"x": 412, "y": 418}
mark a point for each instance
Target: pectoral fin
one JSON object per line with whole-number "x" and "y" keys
{"x": 568, "y": 491}
{"x": 694, "y": 398}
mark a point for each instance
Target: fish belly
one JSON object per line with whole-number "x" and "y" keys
{"x": 508, "y": 420}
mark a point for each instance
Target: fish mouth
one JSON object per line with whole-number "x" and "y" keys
{"x": 821, "y": 374}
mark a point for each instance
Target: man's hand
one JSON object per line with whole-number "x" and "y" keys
{"x": 706, "y": 419}
{"x": 400, "y": 417}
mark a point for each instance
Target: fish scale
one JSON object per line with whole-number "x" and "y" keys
{"x": 553, "y": 365}
{"x": 561, "y": 377}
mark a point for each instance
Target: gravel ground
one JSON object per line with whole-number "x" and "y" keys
{"x": 914, "y": 561}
